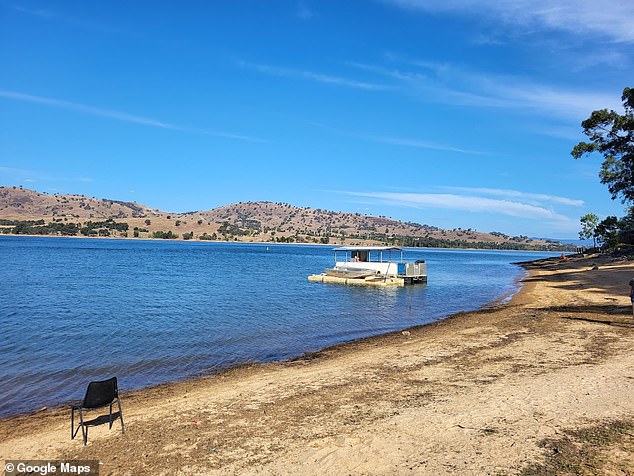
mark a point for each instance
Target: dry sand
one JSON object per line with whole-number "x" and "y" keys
{"x": 477, "y": 393}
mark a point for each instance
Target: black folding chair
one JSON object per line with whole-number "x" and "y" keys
{"x": 99, "y": 394}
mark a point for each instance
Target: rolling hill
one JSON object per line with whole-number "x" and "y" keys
{"x": 24, "y": 211}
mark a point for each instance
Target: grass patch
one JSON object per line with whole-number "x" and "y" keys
{"x": 606, "y": 449}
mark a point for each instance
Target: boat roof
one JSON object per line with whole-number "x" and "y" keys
{"x": 368, "y": 248}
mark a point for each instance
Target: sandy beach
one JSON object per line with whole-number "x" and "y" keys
{"x": 540, "y": 385}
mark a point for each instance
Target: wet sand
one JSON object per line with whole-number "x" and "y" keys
{"x": 477, "y": 393}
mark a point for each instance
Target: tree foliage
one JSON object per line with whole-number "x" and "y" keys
{"x": 165, "y": 235}
{"x": 589, "y": 224}
{"x": 608, "y": 232}
{"x": 611, "y": 232}
{"x": 612, "y": 135}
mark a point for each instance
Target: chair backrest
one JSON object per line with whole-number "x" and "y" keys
{"x": 101, "y": 393}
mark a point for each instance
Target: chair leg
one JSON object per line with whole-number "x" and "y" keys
{"x": 84, "y": 428}
{"x": 120, "y": 415}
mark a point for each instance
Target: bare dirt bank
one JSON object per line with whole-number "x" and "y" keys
{"x": 489, "y": 392}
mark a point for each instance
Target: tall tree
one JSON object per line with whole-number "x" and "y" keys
{"x": 612, "y": 135}
{"x": 589, "y": 224}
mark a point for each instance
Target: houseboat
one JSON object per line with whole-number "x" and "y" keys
{"x": 372, "y": 265}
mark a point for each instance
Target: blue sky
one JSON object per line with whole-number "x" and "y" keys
{"x": 448, "y": 113}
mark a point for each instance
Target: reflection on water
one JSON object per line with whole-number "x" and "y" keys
{"x": 75, "y": 310}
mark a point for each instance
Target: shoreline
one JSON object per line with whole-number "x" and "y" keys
{"x": 496, "y": 303}
{"x": 269, "y": 243}
{"x": 559, "y": 355}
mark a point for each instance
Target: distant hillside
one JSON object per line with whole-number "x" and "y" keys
{"x": 25, "y": 211}
{"x": 19, "y": 203}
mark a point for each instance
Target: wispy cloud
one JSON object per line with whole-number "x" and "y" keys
{"x": 456, "y": 85}
{"x": 14, "y": 171}
{"x": 313, "y": 76}
{"x": 399, "y": 141}
{"x": 469, "y": 203}
{"x": 43, "y": 13}
{"x": 64, "y": 19}
{"x": 31, "y": 176}
{"x": 526, "y": 196}
{"x": 574, "y": 104}
{"x": 423, "y": 144}
{"x": 95, "y": 111}
{"x": 12, "y": 175}
{"x": 612, "y": 19}
{"x": 543, "y": 210}
{"x": 117, "y": 115}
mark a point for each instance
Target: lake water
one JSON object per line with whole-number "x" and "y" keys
{"x": 149, "y": 312}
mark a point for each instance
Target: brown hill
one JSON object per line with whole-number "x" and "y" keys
{"x": 290, "y": 220}
{"x": 22, "y": 204}
{"x": 245, "y": 221}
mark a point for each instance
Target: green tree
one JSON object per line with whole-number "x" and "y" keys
{"x": 626, "y": 227}
{"x": 608, "y": 232}
{"x": 589, "y": 223}
{"x": 612, "y": 135}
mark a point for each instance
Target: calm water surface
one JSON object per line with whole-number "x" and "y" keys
{"x": 75, "y": 310}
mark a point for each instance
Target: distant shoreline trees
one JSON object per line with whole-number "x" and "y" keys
{"x": 109, "y": 228}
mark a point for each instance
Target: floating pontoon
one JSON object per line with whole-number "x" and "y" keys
{"x": 372, "y": 265}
